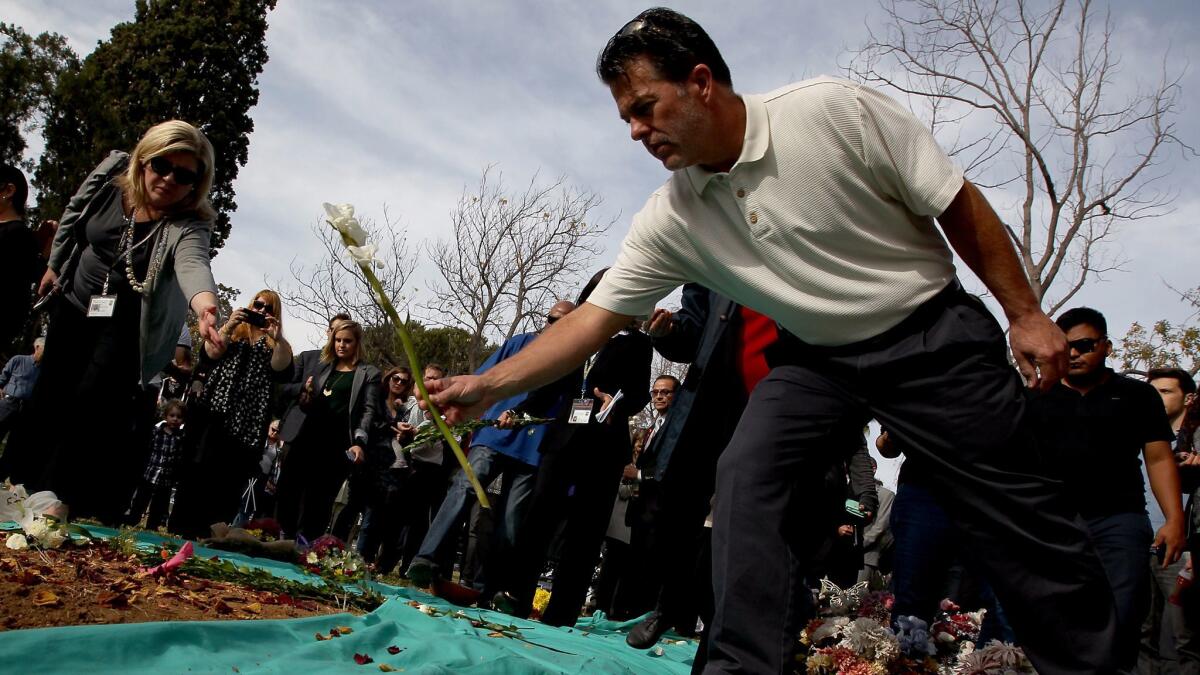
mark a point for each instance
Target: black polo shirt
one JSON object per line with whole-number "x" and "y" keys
{"x": 1094, "y": 442}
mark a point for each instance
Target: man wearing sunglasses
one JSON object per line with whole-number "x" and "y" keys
{"x": 1099, "y": 426}
{"x": 828, "y": 207}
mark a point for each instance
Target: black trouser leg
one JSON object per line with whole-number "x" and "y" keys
{"x": 160, "y": 504}
{"x": 546, "y": 507}
{"x": 596, "y": 486}
{"x": 137, "y": 505}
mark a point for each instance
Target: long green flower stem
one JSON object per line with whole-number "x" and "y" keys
{"x": 402, "y": 330}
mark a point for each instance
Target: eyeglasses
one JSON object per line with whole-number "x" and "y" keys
{"x": 1085, "y": 345}
{"x": 662, "y": 392}
{"x": 401, "y": 379}
{"x": 164, "y": 168}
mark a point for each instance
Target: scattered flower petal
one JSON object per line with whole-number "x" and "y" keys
{"x": 362, "y": 659}
{"x": 17, "y": 542}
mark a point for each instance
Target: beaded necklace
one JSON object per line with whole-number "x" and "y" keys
{"x": 156, "y": 260}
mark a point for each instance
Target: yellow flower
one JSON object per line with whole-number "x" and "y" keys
{"x": 541, "y": 599}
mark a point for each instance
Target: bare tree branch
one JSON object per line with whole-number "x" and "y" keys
{"x": 509, "y": 256}
{"x": 1022, "y": 93}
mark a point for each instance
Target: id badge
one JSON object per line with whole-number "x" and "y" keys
{"x": 102, "y": 306}
{"x": 581, "y": 411}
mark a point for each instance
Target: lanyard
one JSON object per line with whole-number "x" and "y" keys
{"x": 587, "y": 368}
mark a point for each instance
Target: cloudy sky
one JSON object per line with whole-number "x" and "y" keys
{"x": 403, "y": 104}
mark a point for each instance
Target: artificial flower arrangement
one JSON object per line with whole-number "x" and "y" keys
{"x": 854, "y": 635}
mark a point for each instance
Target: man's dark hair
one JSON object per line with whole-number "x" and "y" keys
{"x": 1186, "y": 384}
{"x": 1082, "y": 315}
{"x": 340, "y": 316}
{"x": 674, "y": 380}
{"x": 11, "y": 175}
{"x": 673, "y": 43}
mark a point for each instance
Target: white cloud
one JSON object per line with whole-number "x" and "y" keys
{"x": 403, "y": 104}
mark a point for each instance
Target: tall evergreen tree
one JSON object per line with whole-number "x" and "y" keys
{"x": 29, "y": 70}
{"x": 195, "y": 60}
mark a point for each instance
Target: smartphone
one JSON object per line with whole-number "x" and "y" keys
{"x": 255, "y": 319}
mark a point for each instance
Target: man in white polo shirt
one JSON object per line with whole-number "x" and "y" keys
{"x": 816, "y": 205}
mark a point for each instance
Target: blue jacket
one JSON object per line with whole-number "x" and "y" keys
{"x": 521, "y": 444}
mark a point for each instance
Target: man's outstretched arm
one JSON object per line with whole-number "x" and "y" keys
{"x": 557, "y": 351}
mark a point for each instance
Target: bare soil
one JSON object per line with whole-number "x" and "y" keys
{"x": 98, "y": 585}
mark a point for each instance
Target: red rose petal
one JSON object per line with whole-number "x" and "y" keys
{"x": 393, "y": 649}
{"x": 362, "y": 659}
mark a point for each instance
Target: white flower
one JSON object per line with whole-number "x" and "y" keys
{"x": 37, "y": 529}
{"x": 17, "y": 542}
{"x": 365, "y": 254}
{"x": 312, "y": 558}
{"x": 831, "y": 628}
{"x": 341, "y": 217}
{"x": 54, "y": 538}
{"x": 425, "y": 609}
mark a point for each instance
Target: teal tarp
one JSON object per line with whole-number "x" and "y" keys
{"x": 429, "y": 644}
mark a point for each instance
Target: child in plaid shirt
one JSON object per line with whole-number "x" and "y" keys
{"x": 166, "y": 448}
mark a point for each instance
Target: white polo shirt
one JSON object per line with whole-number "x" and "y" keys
{"x": 825, "y": 223}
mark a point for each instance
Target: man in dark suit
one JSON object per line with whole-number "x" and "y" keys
{"x": 580, "y": 470}
{"x": 725, "y": 344}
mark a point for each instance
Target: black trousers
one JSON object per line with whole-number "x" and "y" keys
{"x": 309, "y": 481}
{"x": 157, "y": 497}
{"x": 84, "y": 411}
{"x": 579, "y": 481}
{"x": 941, "y": 383}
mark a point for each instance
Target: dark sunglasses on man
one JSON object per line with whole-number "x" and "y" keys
{"x": 1085, "y": 345}
{"x": 183, "y": 175}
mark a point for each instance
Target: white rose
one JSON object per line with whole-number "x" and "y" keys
{"x": 17, "y": 542}
{"x": 37, "y": 529}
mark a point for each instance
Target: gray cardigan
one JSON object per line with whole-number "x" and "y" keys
{"x": 185, "y": 271}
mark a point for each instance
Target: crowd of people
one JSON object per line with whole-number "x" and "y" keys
{"x": 818, "y": 295}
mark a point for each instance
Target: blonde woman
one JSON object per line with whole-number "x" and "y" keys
{"x": 229, "y": 422}
{"x": 338, "y": 405}
{"x": 131, "y": 255}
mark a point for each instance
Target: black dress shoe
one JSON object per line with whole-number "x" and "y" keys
{"x": 646, "y": 633}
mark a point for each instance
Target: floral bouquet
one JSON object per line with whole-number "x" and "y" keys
{"x": 854, "y": 635}
{"x": 329, "y": 558}
{"x": 41, "y": 517}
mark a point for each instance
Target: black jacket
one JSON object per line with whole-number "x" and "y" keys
{"x": 623, "y": 364}
{"x": 364, "y": 400}
{"x": 20, "y": 264}
{"x": 709, "y": 403}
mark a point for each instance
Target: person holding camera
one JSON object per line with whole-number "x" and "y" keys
{"x": 229, "y": 421}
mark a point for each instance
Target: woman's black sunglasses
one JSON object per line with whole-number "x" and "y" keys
{"x": 164, "y": 168}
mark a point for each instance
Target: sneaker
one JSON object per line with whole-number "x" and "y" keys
{"x": 421, "y": 573}
{"x": 646, "y": 633}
